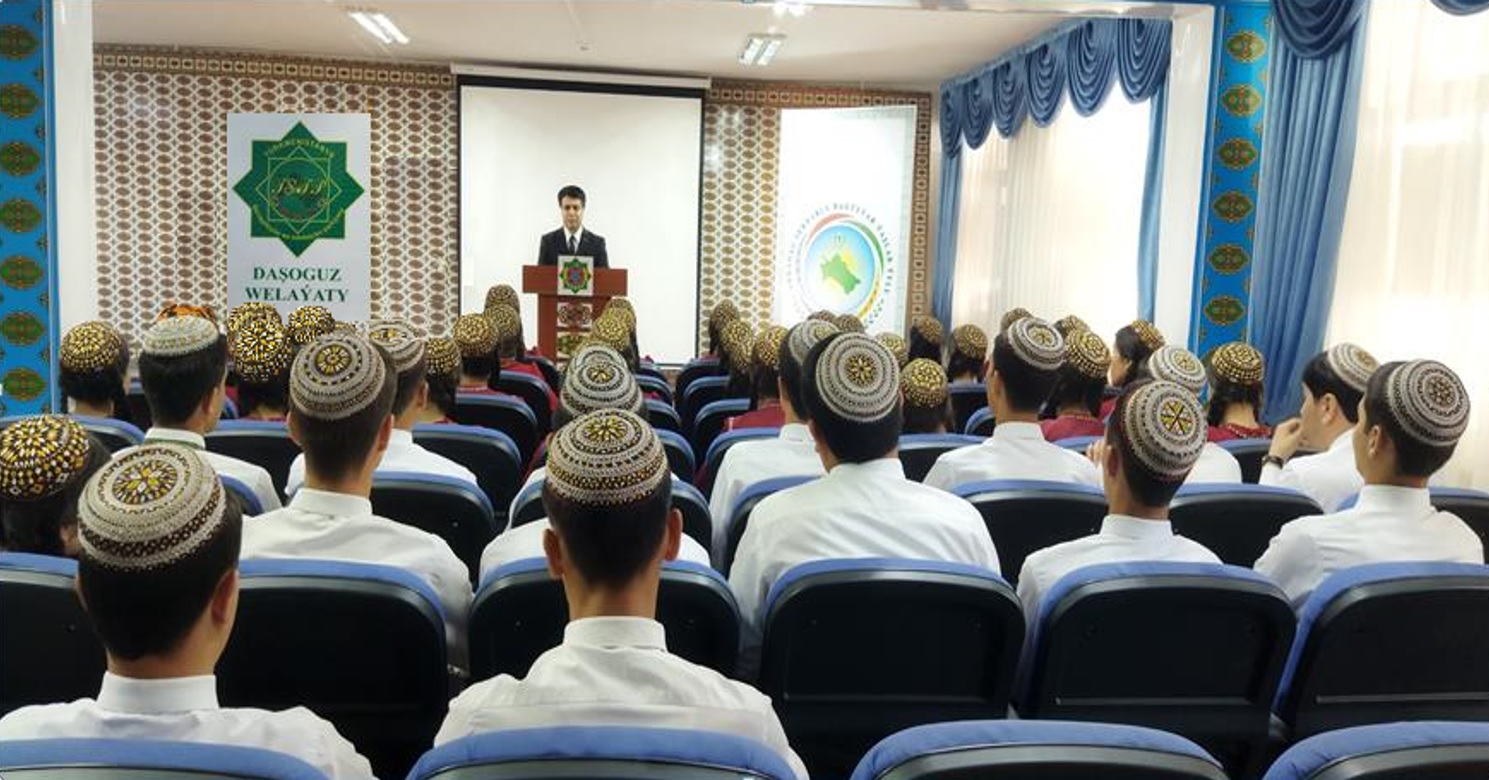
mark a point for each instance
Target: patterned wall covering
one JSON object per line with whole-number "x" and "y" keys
{"x": 26, "y": 261}
{"x": 1232, "y": 173}
{"x": 161, "y": 173}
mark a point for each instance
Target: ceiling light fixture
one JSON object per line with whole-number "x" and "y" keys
{"x": 378, "y": 25}
{"x": 797, "y": 8}
{"x": 761, "y": 48}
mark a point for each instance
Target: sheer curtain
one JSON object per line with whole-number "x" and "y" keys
{"x": 1413, "y": 276}
{"x": 1050, "y": 219}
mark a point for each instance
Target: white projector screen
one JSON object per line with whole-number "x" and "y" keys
{"x": 637, "y": 157}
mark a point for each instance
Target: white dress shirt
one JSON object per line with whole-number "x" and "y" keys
{"x": 1215, "y": 465}
{"x": 613, "y": 671}
{"x": 793, "y": 453}
{"x": 328, "y": 526}
{"x": 1386, "y": 524}
{"x": 185, "y": 709}
{"x": 1328, "y": 477}
{"x": 402, "y": 455}
{"x": 1016, "y": 450}
{"x": 572, "y": 240}
{"x": 252, "y": 475}
{"x": 526, "y": 541}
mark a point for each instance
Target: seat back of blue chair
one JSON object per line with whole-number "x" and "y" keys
{"x": 248, "y": 501}
{"x": 712, "y": 418}
{"x": 918, "y": 451}
{"x": 714, "y": 456}
{"x": 744, "y": 504}
{"x": 550, "y": 372}
{"x": 533, "y": 392}
{"x": 491, "y": 455}
{"x": 1471, "y": 506}
{"x": 449, "y": 508}
{"x": 650, "y": 383}
{"x": 1236, "y": 522}
{"x": 696, "y": 522}
{"x": 500, "y": 413}
{"x": 1425, "y": 750}
{"x": 139, "y": 408}
{"x": 265, "y": 444}
{"x": 980, "y": 423}
{"x": 142, "y": 759}
{"x": 115, "y": 434}
{"x": 1249, "y": 453}
{"x": 696, "y": 369}
{"x": 700, "y": 393}
{"x": 48, "y": 651}
{"x": 1027, "y": 515}
{"x": 966, "y": 398}
{"x": 679, "y": 454}
{"x": 662, "y": 416}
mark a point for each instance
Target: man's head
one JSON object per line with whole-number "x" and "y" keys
{"x": 1410, "y": 421}
{"x": 1011, "y": 316}
{"x": 44, "y": 463}
{"x": 597, "y": 378}
{"x": 1025, "y": 360}
{"x": 896, "y": 345}
{"x": 571, "y": 206}
{"x": 852, "y": 394}
{"x": 1173, "y": 363}
{"x": 1082, "y": 380}
{"x": 341, "y": 402}
{"x": 502, "y": 295}
{"x": 848, "y": 323}
{"x": 1334, "y": 381}
{"x": 93, "y": 360}
{"x": 157, "y": 566}
{"x": 923, "y": 385}
{"x": 1154, "y": 438}
{"x": 182, "y": 368}
{"x": 476, "y": 337}
{"x": 722, "y": 313}
{"x": 405, "y": 347}
{"x": 261, "y": 359}
{"x": 793, "y": 357}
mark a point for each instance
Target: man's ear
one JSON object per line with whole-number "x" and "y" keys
{"x": 672, "y": 540}
{"x": 553, "y": 551}
{"x": 292, "y": 423}
{"x": 384, "y": 433}
{"x": 1111, "y": 460}
{"x": 224, "y": 604}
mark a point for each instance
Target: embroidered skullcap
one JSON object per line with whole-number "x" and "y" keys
{"x": 336, "y": 376}
{"x": 723, "y": 311}
{"x": 1036, "y": 343}
{"x": 923, "y": 382}
{"x": 502, "y": 295}
{"x": 179, "y": 336}
{"x": 1087, "y": 353}
{"x": 857, "y": 378}
{"x": 1011, "y": 316}
{"x": 173, "y": 309}
{"x": 149, "y": 508}
{"x": 1352, "y": 365}
{"x": 40, "y": 456}
{"x": 622, "y": 303}
{"x": 475, "y": 335}
{"x": 506, "y": 320}
{"x": 767, "y": 351}
{"x": 620, "y": 307}
{"x": 805, "y": 335}
{"x": 1173, "y": 363}
{"x": 928, "y": 328}
{"x": 261, "y": 350}
{"x": 1428, "y": 402}
{"x": 599, "y": 379}
{"x": 896, "y": 345}
{"x": 400, "y": 340}
{"x": 612, "y": 331}
{"x": 970, "y": 341}
{"x": 308, "y": 323}
{"x": 1162, "y": 428}
{"x": 606, "y": 458}
{"x": 1070, "y": 324}
{"x": 848, "y": 323}
{"x": 825, "y": 316}
{"x": 1148, "y": 334}
{"x": 347, "y": 328}
{"x": 251, "y": 310}
{"x": 91, "y": 346}
{"x": 441, "y": 357}
{"x": 1238, "y": 362}
{"x": 739, "y": 340}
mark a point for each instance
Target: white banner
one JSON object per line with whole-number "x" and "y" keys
{"x": 843, "y": 214}
{"x": 299, "y": 217}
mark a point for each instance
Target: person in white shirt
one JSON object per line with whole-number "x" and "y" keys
{"x": 158, "y": 577}
{"x": 608, "y": 495}
{"x": 1153, "y": 439}
{"x": 1172, "y": 363}
{"x": 1411, "y": 418}
{"x": 864, "y": 507}
{"x": 341, "y": 400}
{"x": 1333, "y": 384}
{"x": 183, "y": 370}
{"x": 1021, "y": 371}
{"x": 410, "y": 396}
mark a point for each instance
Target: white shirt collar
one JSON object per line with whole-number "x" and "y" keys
{"x": 879, "y": 468}
{"x": 157, "y": 697}
{"x": 324, "y": 502}
{"x": 1129, "y": 527}
{"x": 577, "y": 235}
{"x": 616, "y": 632}
{"x": 796, "y": 432}
{"x": 1342, "y": 441}
{"x": 1017, "y": 430}
{"x": 176, "y": 436}
{"x": 401, "y": 438}
{"x": 1395, "y": 500}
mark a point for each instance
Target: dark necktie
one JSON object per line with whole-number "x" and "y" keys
{"x": 573, "y": 245}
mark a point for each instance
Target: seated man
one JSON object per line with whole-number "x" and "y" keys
{"x": 1410, "y": 421}
{"x": 1175, "y": 364}
{"x": 44, "y": 463}
{"x": 607, "y": 496}
{"x": 1154, "y": 438}
{"x": 1333, "y": 384}
{"x": 158, "y": 576}
{"x": 341, "y": 402}
{"x": 1025, "y": 360}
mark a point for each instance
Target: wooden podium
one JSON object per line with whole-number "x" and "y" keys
{"x": 560, "y": 314}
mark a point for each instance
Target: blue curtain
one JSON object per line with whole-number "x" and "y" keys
{"x": 1148, "y": 231}
{"x": 946, "y": 225}
{"x": 1461, "y": 7}
{"x": 1090, "y": 57}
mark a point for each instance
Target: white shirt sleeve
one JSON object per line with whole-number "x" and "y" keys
{"x": 942, "y": 474}
{"x": 1291, "y": 561}
{"x": 450, "y": 578}
{"x": 296, "y": 478}
{"x": 334, "y": 755}
{"x": 748, "y": 580}
{"x": 262, "y": 486}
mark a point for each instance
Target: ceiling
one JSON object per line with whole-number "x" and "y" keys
{"x": 889, "y": 43}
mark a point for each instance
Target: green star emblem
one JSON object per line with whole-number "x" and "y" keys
{"x": 298, "y": 189}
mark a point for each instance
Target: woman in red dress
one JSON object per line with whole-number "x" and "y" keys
{"x": 1236, "y": 373}
{"x": 1076, "y": 396}
{"x": 1132, "y": 346}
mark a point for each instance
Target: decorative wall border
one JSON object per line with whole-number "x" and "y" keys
{"x": 283, "y": 67}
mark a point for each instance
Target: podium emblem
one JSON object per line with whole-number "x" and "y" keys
{"x": 577, "y": 275}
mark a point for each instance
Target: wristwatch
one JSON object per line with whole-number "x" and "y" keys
{"x": 1274, "y": 460}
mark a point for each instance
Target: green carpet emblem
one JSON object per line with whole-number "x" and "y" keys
{"x": 298, "y": 189}
{"x": 22, "y": 328}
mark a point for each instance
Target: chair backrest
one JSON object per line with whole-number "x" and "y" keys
{"x": 1236, "y": 521}
{"x": 48, "y": 651}
{"x": 491, "y": 455}
{"x": 654, "y": 384}
{"x": 1020, "y": 749}
{"x": 855, "y": 650}
{"x": 744, "y": 504}
{"x": 711, "y": 418}
{"x": 918, "y": 451}
{"x": 361, "y": 645}
{"x": 1192, "y": 648}
{"x": 1077, "y": 443}
{"x": 966, "y": 398}
{"x": 602, "y": 753}
{"x": 450, "y": 508}
{"x": 520, "y": 612}
{"x": 1249, "y": 453}
{"x": 714, "y": 456}
{"x": 662, "y": 416}
{"x": 1427, "y": 750}
{"x": 679, "y": 454}
{"x": 533, "y": 392}
{"x": 1471, "y": 506}
{"x": 696, "y": 521}
{"x": 980, "y": 423}
{"x": 229, "y": 410}
{"x": 1027, "y": 515}
{"x": 550, "y": 372}
{"x": 139, "y": 408}
{"x": 699, "y": 393}
{"x": 115, "y": 434}
{"x": 147, "y": 759}
{"x": 500, "y": 413}
{"x": 248, "y": 501}
{"x": 263, "y": 443}
{"x": 1390, "y": 641}
{"x": 696, "y": 369}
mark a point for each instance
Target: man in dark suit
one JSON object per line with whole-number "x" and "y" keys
{"x": 572, "y": 238}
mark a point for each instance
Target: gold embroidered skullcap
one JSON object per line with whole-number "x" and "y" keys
{"x": 1087, "y": 353}
{"x": 506, "y": 320}
{"x": 475, "y": 335}
{"x": 502, "y": 295}
{"x": 723, "y": 311}
{"x": 598, "y": 378}
{"x": 825, "y": 316}
{"x": 1162, "y": 427}
{"x": 1239, "y": 363}
{"x": 612, "y": 331}
{"x": 896, "y": 345}
{"x": 1011, "y": 316}
{"x": 857, "y": 378}
{"x": 805, "y": 335}
{"x": 149, "y": 508}
{"x": 1070, "y": 324}
{"x": 928, "y": 328}
{"x": 179, "y": 336}
{"x": 767, "y": 351}
{"x": 441, "y": 358}
{"x": 620, "y": 307}
{"x": 1148, "y": 334}
{"x": 606, "y": 458}
{"x": 348, "y": 328}
{"x": 261, "y": 350}
{"x": 308, "y": 323}
{"x": 970, "y": 341}
{"x": 251, "y": 310}
{"x": 1352, "y": 365}
{"x": 40, "y": 456}
{"x": 1428, "y": 402}
{"x": 739, "y": 339}
{"x": 923, "y": 382}
{"x": 848, "y": 323}
{"x": 401, "y": 341}
{"x": 622, "y": 303}
{"x": 1173, "y": 363}
{"x": 1036, "y": 344}
{"x": 336, "y": 376}
{"x": 91, "y": 346}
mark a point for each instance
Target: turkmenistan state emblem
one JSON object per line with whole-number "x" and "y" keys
{"x": 577, "y": 277}
{"x": 298, "y": 189}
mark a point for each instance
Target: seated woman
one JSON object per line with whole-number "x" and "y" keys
{"x": 94, "y": 360}
{"x": 722, "y": 314}
{"x": 261, "y": 368}
{"x": 738, "y": 341}
{"x": 765, "y": 393}
{"x": 927, "y": 410}
{"x": 897, "y": 346}
{"x": 1236, "y": 373}
{"x": 1131, "y": 347}
{"x": 968, "y": 354}
{"x": 476, "y": 337}
{"x": 511, "y": 353}
{"x": 442, "y": 374}
{"x": 1076, "y": 397}
{"x": 926, "y": 338}
{"x": 45, "y": 462}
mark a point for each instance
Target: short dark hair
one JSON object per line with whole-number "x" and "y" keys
{"x": 1146, "y": 488}
{"x": 1026, "y": 386}
{"x": 334, "y": 447}
{"x": 274, "y": 394}
{"x": 407, "y": 386}
{"x": 1321, "y": 379}
{"x": 850, "y": 441}
{"x": 763, "y": 384}
{"x": 571, "y": 191}
{"x": 611, "y": 546}
{"x": 1413, "y": 458}
{"x": 99, "y": 386}
{"x": 514, "y": 346}
{"x": 175, "y": 386}
{"x": 145, "y": 613}
{"x": 36, "y": 526}
{"x": 923, "y": 419}
{"x": 921, "y": 347}
{"x": 1072, "y": 387}
{"x": 480, "y": 365}
{"x": 958, "y": 364}
{"x": 442, "y": 393}
{"x": 1131, "y": 347}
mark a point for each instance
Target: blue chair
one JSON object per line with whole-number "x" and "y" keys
{"x": 679, "y": 454}
{"x": 265, "y": 444}
{"x": 739, "y": 515}
{"x": 1387, "y": 642}
{"x": 533, "y": 392}
{"x": 550, "y": 372}
{"x": 113, "y": 759}
{"x": 918, "y": 451}
{"x": 980, "y": 424}
{"x": 855, "y": 650}
{"x": 700, "y": 393}
{"x": 1470, "y": 506}
{"x": 1192, "y": 648}
{"x": 500, "y": 413}
{"x": 139, "y": 408}
{"x": 662, "y": 416}
{"x": 48, "y": 647}
{"x": 1429, "y": 750}
{"x": 528, "y": 505}
{"x": 966, "y": 398}
{"x": 248, "y": 501}
{"x": 1046, "y": 750}
{"x": 229, "y": 409}
{"x": 520, "y": 612}
{"x": 714, "y": 456}
{"x": 1249, "y": 453}
{"x": 602, "y": 753}
{"x": 711, "y": 419}
{"x": 114, "y": 434}
{"x": 1236, "y": 522}
{"x": 491, "y": 455}
{"x": 696, "y": 369}
{"x": 1024, "y": 515}
{"x": 1077, "y": 443}
{"x": 651, "y": 383}
{"x": 449, "y": 508}
{"x": 696, "y": 521}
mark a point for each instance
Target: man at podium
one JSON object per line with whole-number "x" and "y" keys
{"x": 572, "y": 238}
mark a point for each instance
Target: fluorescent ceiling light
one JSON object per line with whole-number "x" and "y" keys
{"x": 761, "y": 48}
{"x": 379, "y": 26}
{"x": 797, "y": 8}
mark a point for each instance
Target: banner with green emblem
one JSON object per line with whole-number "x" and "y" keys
{"x": 300, "y": 211}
